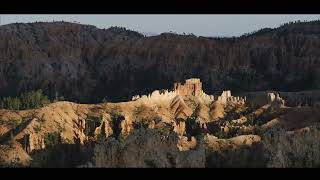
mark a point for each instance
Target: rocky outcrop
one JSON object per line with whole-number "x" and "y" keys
{"x": 105, "y": 128}
{"x": 185, "y": 145}
{"x": 126, "y": 127}
{"x": 156, "y": 97}
{"x": 216, "y": 110}
{"x": 85, "y": 64}
{"x": 192, "y": 87}
{"x": 179, "y": 108}
{"x": 276, "y": 101}
{"x": 292, "y": 99}
{"x": 226, "y": 97}
{"x": 165, "y": 129}
{"x": 262, "y": 98}
{"x": 32, "y": 142}
{"x": 80, "y": 125}
{"x": 217, "y": 144}
{"x": 13, "y": 155}
{"x": 202, "y": 112}
{"x": 179, "y": 127}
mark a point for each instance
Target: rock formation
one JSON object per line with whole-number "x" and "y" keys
{"x": 276, "y": 101}
{"x": 179, "y": 108}
{"x": 226, "y": 97}
{"x": 217, "y": 144}
{"x": 185, "y": 145}
{"x": 32, "y": 142}
{"x": 126, "y": 127}
{"x": 13, "y": 155}
{"x": 156, "y": 97}
{"x": 184, "y": 127}
{"x": 216, "y": 110}
{"x": 263, "y": 98}
{"x": 192, "y": 87}
{"x": 105, "y": 127}
{"x": 203, "y": 112}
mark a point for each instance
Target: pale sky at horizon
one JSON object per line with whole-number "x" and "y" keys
{"x": 201, "y": 25}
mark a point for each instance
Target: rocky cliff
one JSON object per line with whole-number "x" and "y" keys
{"x": 180, "y": 128}
{"x": 85, "y": 64}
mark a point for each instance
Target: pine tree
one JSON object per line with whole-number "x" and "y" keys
{"x": 27, "y": 100}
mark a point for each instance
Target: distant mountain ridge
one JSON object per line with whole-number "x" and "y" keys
{"x": 85, "y": 64}
{"x": 148, "y": 34}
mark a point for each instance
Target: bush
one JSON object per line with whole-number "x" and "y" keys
{"x": 139, "y": 110}
{"x": 115, "y": 113}
{"x": 57, "y": 99}
{"x": 144, "y": 116}
{"x": 14, "y": 122}
{"x": 33, "y": 99}
{"x": 10, "y": 103}
{"x": 243, "y": 157}
{"x": 116, "y": 117}
{"x": 104, "y": 100}
{"x": 28, "y": 100}
{"x": 37, "y": 128}
{"x": 233, "y": 131}
{"x": 219, "y": 134}
{"x": 92, "y": 122}
{"x": 52, "y": 139}
{"x": 163, "y": 129}
{"x": 292, "y": 150}
{"x": 250, "y": 120}
{"x": 191, "y": 102}
{"x": 101, "y": 137}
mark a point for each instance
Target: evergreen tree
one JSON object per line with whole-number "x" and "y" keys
{"x": 27, "y": 100}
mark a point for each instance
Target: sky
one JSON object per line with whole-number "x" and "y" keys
{"x": 200, "y": 25}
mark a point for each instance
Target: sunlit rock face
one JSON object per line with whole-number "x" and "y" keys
{"x": 192, "y": 87}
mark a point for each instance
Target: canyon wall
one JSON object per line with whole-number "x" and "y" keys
{"x": 86, "y": 64}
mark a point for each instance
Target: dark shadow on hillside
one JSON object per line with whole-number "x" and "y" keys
{"x": 13, "y": 132}
{"x": 62, "y": 156}
{"x": 244, "y": 157}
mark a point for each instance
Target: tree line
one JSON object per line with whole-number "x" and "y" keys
{"x": 27, "y": 100}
